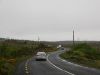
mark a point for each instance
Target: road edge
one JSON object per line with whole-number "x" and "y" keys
{"x": 58, "y": 67}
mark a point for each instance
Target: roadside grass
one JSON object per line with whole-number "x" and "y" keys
{"x": 12, "y": 52}
{"x": 8, "y": 65}
{"x": 83, "y": 54}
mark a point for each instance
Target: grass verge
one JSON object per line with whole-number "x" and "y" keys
{"x": 8, "y": 65}
{"x": 83, "y": 54}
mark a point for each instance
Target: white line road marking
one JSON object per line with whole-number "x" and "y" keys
{"x": 27, "y": 72}
{"x": 58, "y": 67}
{"x": 26, "y": 67}
{"x": 77, "y": 65}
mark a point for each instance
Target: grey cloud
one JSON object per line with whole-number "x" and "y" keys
{"x": 51, "y": 19}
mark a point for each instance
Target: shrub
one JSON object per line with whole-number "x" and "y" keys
{"x": 86, "y": 51}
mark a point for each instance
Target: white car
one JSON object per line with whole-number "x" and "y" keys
{"x": 41, "y": 56}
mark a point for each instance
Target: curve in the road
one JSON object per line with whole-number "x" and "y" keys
{"x": 43, "y": 68}
{"x": 53, "y": 66}
{"x": 59, "y": 67}
{"x": 72, "y": 68}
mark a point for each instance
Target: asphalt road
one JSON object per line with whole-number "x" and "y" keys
{"x": 53, "y": 66}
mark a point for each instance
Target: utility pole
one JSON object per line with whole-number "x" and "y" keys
{"x": 73, "y": 38}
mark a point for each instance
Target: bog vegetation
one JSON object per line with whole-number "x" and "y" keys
{"x": 13, "y": 51}
{"x": 84, "y": 54}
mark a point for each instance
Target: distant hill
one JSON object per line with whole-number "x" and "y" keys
{"x": 2, "y": 39}
{"x": 64, "y": 43}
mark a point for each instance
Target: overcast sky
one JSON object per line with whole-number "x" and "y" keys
{"x": 51, "y": 20}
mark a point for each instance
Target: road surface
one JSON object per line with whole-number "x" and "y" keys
{"x": 53, "y": 66}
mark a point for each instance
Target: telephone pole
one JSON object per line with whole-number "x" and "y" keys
{"x": 73, "y": 38}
